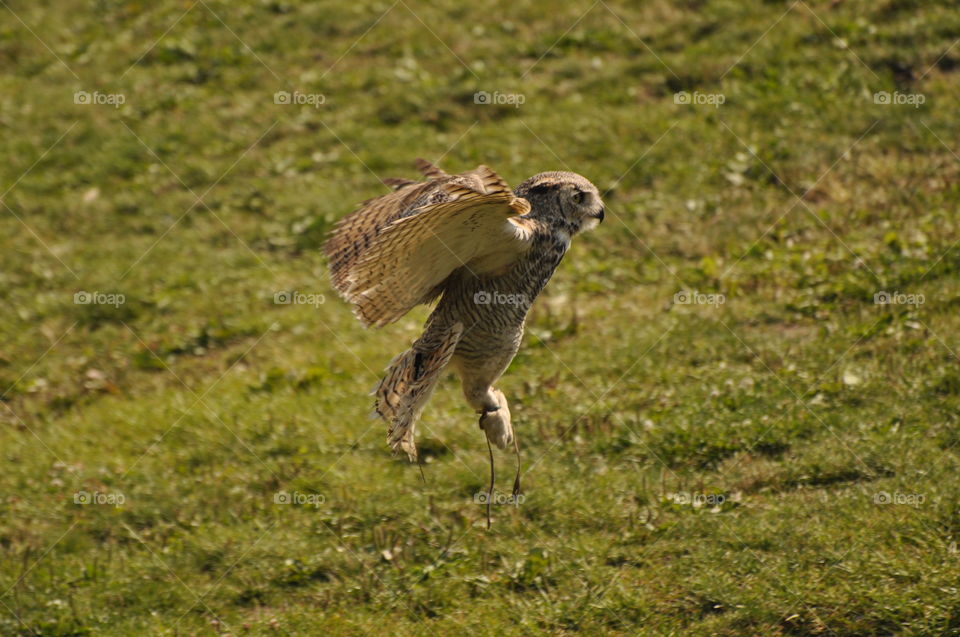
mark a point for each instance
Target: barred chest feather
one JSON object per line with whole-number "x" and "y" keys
{"x": 499, "y": 304}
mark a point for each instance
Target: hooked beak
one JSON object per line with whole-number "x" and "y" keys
{"x": 600, "y": 215}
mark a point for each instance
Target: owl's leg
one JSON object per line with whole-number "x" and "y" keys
{"x": 478, "y": 376}
{"x": 488, "y": 401}
{"x": 478, "y": 373}
{"x": 495, "y": 418}
{"x": 410, "y": 379}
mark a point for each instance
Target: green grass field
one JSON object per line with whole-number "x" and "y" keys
{"x": 725, "y": 429}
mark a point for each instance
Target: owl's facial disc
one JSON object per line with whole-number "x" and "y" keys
{"x": 564, "y": 199}
{"x": 584, "y": 206}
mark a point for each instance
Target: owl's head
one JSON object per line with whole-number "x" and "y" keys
{"x": 567, "y": 201}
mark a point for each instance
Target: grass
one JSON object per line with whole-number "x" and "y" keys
{"x": 781, "y": 462}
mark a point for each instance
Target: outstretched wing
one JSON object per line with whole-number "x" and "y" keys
{"x": 396, "y": 250}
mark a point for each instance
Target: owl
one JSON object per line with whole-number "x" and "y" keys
{"x": 482, "y": 252}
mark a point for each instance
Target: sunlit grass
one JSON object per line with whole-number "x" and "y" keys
{"x": 776, "y": 457}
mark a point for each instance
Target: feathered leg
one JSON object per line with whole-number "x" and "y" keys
{"x": 495, "y": 418}
{"x": 410, "y": 380}
{"x": 478, "y": 378}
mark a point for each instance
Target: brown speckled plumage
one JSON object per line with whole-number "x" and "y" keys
{"x": 484, "y": 250}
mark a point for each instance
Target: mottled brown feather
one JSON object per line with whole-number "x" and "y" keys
{"x": 410, "y": 379}
{"x": 396, "y": 250}
{"x": 428, "y": 170}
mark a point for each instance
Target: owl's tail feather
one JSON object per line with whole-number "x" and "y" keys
{"x": 409, "y": 382}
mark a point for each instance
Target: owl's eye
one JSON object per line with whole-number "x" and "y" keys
{"x": 579, "y": 197}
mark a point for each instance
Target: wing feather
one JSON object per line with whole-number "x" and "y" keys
{"x": 429, "y": 171}
{"x": 353, "y": 235}
{"x": 398, "y": 250}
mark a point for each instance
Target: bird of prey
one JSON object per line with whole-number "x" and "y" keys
{"x": 484, "y": 251}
